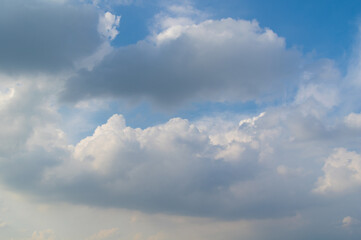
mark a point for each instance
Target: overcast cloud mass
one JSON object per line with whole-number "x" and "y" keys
{"x": 73, "y": 167}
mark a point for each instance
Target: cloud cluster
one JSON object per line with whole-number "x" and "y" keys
{"x": 214, "y": 168}
{"x": 253, "y": 167}
{"x": 283, "y": 162}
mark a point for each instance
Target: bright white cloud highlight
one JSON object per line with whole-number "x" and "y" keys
{"x": 108, "y": 24}
{"x": 342, "y": 172}
{"x": 353, "y": 120}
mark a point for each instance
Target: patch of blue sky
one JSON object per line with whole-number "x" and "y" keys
{"x": 326, "y": 27}
{"x": 134, "y": 24}
{"x": 144, "y": 114}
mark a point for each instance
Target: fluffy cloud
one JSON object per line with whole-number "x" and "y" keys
{"x": 214, "y": 60}
{"x": 178, "y": 167}
{"x": 210, "y": 167}
{"x": 268, "y": 167}
{"x": 108, "y": 25}
{"x": 342, "y": 172}
{"x": 252, "y": 167}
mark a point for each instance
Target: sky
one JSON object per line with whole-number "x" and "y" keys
{"x": 173, "y": 120}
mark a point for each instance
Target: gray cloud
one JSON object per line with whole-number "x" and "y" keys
{"x": 214, "y": 60}
{"x": 45, "y": 36}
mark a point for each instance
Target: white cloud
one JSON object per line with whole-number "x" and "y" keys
{"x": 342, "y": 172}
{"x": 174, "y": 17}
{"x": 108, "y": 24}
{"x": 326, "y": 95}
{"x": 173, "y": 167}
{"x": 353, "y": 120}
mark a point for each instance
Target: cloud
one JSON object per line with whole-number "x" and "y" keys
{"x": 43, "y": 235}
{"x": 244, "y": 167}
{"x": 214, "y": 60}
{"x": 3, "y": 224}
{"x": 108, "y": 25}
{"x": 342, "y": 172}
{"x": 109, "y": 3}
{"x": 107, "y": 28}
{"x": 46, "y": 36}
{"x": 104, "y": 234}
{"x": 261, "y": 166}
{"x": 350, "y": 222}
{"x": 177, "y": 167}
{"x": 353, "y": 120}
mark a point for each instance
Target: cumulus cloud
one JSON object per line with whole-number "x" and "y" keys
{"x": 251, "y": 167}
{"x": 261, "y": 166}
{"x": 178, "y": 167}
{"x": 342, "y": 172}
{"x": 214, "y": 60}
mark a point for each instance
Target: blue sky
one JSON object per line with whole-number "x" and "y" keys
{"x": 326, "y": 27}
{"x": 200, "y": 120}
